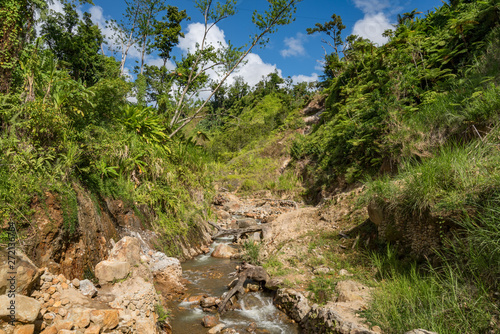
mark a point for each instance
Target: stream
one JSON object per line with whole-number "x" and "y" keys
{"x": 210, "y": 276}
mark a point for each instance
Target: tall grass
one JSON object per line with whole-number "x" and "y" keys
{"x": 456, "y": 179}
{"x": 442, "y": 299}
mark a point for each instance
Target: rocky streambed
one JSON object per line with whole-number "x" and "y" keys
{"x": 207, "y": 280}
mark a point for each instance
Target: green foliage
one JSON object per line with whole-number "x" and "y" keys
{"x": 144, "y": 122}
{"x": 409, "y": 96}
{"x": 252, "y": 252}
{"x": 75, "y": 43}
{"x": 162, "y": 314}
{"x": 439, "y": 299}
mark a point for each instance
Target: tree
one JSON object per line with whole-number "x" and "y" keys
{"x": 333, "y": 29}
{"x": 75, "y": 43}
{"x": 280, "y": 12}
{"x": 127, "y": 29}
{"x": 16, "y": 29}
{"x": 157, "y": 81}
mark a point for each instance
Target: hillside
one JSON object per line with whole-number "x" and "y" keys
{"x": 385, "y": 175}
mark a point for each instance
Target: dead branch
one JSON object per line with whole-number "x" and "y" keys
{"x": 245, "y": 271}
{"x": 236, "y": 232}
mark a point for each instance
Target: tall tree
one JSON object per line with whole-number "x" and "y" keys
{"x": 76, "y": 43}
{"x": 17, "y": 19}
{"x": 280, "y": 12}
{"x": 126, "y": 30}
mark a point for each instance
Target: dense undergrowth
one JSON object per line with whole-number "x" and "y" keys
{"x": 66, "y": 134}
{"x": 416, "y": 120}
{"x": 424, "y": 111}
{"x": 251, "y": 141}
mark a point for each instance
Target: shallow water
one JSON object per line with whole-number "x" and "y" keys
{"x": 210, "y": 276}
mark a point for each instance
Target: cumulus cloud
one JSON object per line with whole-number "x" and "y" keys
{"x": 305, "y": 78}
{"x": 375, "y": 20}
{"x": 194, "y": 35}
{"x": 372, "y": 27}
{"x": 295, "y": 46}
{"x": 252, "y": 71}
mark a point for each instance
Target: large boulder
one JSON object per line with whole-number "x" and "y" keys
{"x": 27, "y": 274}
{"x": 108, "y": 270}
{"x": 26, "y": 309}
{"x": 167, "y": 273}
{"x": 224, "y": 251}
{"x": 128, "y": 249}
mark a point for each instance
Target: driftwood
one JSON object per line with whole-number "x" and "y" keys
{"x": 245, "y": 272}
{"x": 236, "y": 232}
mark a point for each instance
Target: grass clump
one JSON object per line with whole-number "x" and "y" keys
{"x": 439, "y": 299}
{"x": 251, "y": 252}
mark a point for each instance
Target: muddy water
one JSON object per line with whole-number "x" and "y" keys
{"x": 210, "y": 276}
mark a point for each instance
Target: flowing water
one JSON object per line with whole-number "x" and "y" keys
{"x": 210, "y": 276}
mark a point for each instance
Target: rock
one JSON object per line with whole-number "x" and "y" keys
{"x": 274, "y": 284}
{"x": 167, "y": 274}
{"x": 420, "y": 331}
{"x": 110, "y": 270}
{"x": 224, "y": 251}
{"x": 209, "y": 321}
{"x": 75, "y": 282}
{"x": 267, "y": 232}
{"x": 321, "y": 270}
{"x": 66, "y": 331}
{"x": 247, "y": 222}
{"x": 50, "y": 330}
{"x": 208, "y": 302}
{"x": 27, "y": 274}
{"x": 376, "y": 213}
{"x": 344, "y": 272}
{"x": 80, "y": 317}
{"x": 94, "y": 329}
{"x": 128, "y": 249}
{"x": 216, "y": 329}
{"x": 293, "y": 303}
{"x": 221, "y": 214}
{"x": 87, "y": 288}
{"x": 26, "y": 309}
{"x": 25, "y": 329}
{"x": 107, "y": 319}
{"x": 253, "y": 287}
{"x": 349, "y": 291}
{"x": 145, "y": 326}
{"x": 329, "y": 318}
{"x": 63, "y": 324}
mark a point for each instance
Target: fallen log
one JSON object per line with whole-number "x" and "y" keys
{"x": 214, "y": 225}
{"x": 236, "y": 232}
{"x": 245, "y": 271}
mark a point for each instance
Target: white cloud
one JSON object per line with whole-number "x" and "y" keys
{"x": 156, "y": 61}
{"x": 195, "y": 31}
{"x": 372, "y": 27}
{"x": 376, "y": 20}
{"x": 372, "y": 6}
{"x": 253, "y": 71}
{"x": 295, "y": 46}
{"x": 304, "y": 78}
{"x": 56, "y": 6}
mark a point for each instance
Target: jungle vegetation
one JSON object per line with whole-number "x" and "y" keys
{"x": 416, "y": 120}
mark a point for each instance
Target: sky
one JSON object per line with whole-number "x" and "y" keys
{"x": 290, "y": 51}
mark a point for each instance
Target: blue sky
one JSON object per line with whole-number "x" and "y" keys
{"x": 290, "y": 51}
